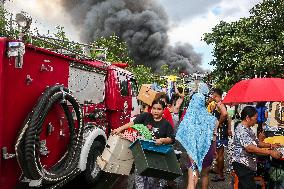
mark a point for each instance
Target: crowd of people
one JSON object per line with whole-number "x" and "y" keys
{"x": 203, "y": 129}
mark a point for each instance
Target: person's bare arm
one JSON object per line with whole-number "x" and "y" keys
{"x": 254, "y": 149}
{"x": 215, "y": 131}
{"x": 212, "y": 107}
{"x": 122, "y": 128}
{"x": 224, "y": 113}
{"x": 178, "y": 103}
{"x": 230, "y": 126}
{"x": 167, "y": 140}
{"x": 262, "y": 144}
{"x": 266, "y": 114}
{"x": 177, "y": 92}
{"x": 261, "y": 136}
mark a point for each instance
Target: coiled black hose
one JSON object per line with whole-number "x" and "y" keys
{"x": 27, "y": 146}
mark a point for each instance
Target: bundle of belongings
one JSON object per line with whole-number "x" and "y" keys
{"x": 117, "y": 157}
{"x": 150, "y": 92}
{"x": 137, "y": 144}
{"x": 137, "y": 131}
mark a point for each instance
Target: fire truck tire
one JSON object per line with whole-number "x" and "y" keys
{"x": 93, "y": 172}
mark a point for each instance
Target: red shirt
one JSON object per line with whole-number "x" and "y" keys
{"x": 168, "y": 116}
{"x": 183, "y": 114}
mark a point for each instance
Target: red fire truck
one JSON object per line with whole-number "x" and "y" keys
{"x": 56, "y": 112}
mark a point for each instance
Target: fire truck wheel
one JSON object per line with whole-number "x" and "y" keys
{"x": 93, "y": 172}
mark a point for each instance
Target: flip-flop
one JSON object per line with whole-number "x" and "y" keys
{"x": 217, "y": 179}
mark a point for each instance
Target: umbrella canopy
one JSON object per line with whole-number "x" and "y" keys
{"x": 256, "y": 90}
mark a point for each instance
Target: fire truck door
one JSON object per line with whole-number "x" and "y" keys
{"x": 126, "y": 98}
{"x": 135, "y": 110}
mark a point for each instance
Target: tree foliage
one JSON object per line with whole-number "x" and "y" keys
{"x": 249, "y": 47}
{"x": 165, "y": 70}
{"x": 145, "y": 75}
{"x": 116, "y": 49}
{"x": 7, "y": 26}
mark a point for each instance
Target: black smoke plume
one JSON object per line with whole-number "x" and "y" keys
{"x": 143, "y": 24}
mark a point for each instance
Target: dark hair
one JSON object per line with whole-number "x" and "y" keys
{"x": 218, "y": 91}
{"x": 260, "y": 104}
{"x": 159, "y": 101}
{"x": 207, "y": 97}
{"x": 144, "y": 105}
{"x": 165, "y": 96}
{"x": 248, "y": 111}
{"x": 180, "y": 89}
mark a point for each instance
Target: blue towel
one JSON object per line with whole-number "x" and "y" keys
{"x": 170, "y": 89}
{"x": 195, "y": 132}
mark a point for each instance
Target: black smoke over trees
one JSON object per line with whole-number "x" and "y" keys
{"x": 143, "y": 24}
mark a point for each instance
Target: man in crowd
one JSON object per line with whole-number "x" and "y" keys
{"x": 223, "y": 132}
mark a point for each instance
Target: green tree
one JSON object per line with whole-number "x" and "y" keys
{"x": 7, "y": 25}
{"x": 143, "y": 75}
{"x": 115, "y": 49}
{"x": 165, "y": 71}
{"x": 249, "y": 47}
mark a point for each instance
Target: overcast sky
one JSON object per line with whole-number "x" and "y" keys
{"x": 189, "y": 19}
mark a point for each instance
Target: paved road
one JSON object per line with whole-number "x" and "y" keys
{"x": 123, "y": 183}
{"x": 110, "y": 181}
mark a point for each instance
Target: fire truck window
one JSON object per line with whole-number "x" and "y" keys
{"x": 123, "y": 84}
{"x": 134, "y": 88}
{"x": 87, "y": 86}
{"x": 124, "y": 88}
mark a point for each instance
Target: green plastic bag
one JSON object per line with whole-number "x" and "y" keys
{"x": 143, "y": 130}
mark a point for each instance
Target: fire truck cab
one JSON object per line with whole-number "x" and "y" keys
{"x": 56, "y": 113}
